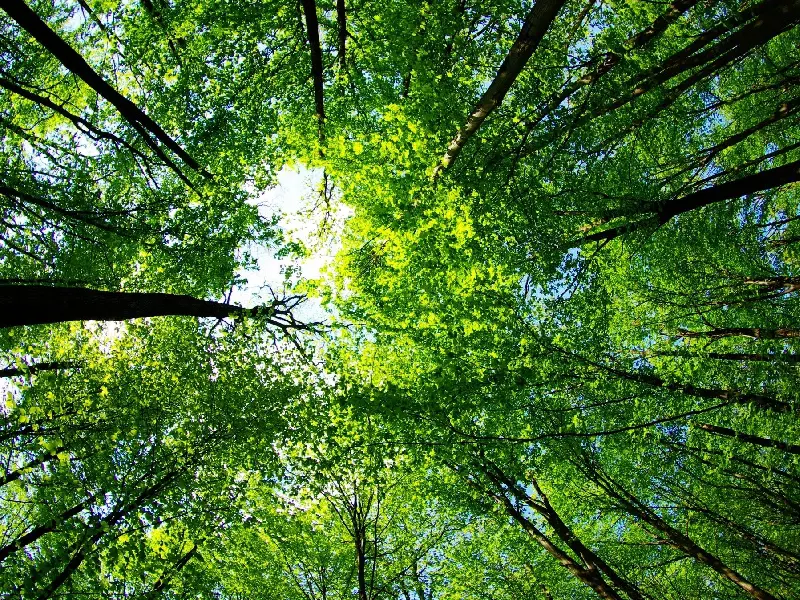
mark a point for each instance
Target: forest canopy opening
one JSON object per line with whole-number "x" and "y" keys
{"x": 400, "y": 300}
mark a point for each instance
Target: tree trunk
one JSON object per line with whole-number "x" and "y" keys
{"x": 85, "y": 126}
{"x": 729, "y": 396}
{"x": 756, "y": 333}
{"x": 40, "y": 530}
{"x": 751, "y": 439}
{"x": 341, "y": 21}
{"x": 533, "y": 30}
{"x": 34, "y": 305}
{"x": 661, "y": 213}
{"x": 542, "y": 506}
{"x": 778, "y": 16}
{"x": 36, "y": 368}
{"x": 312, "y": 31}
{"x": 587, "y": 576}
{"x": 163, "y": 580}
{"x": 776, "y": 358}
{"x": 39, "y": 460}
{"x": 100, "y": 530}
{"x": 611, "y": 59}
{"x": 74, "y": 62}
{"x": 38, "y": 304}
{"x": 675, "y": 538}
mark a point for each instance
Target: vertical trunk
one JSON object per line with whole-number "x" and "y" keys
{"x": 38, "y": 368}
{"x": 757, "y": 333}
{"x": 533, "y": 30}
{"x": 39, "y": 460}
{"x": 655, "y": 214}
{"x": 74, "y": 62}
{"x": 593, "y": 562}
{"x": 37, "y": 532}
{"x": 750, "y": 439}
{"x": 341, "y": 21}
{"x": 360, "y": 542}
{"x": 163, "y": 580}
{"x": 99, "y": 531}
{"x": 675, "y": 538}
{"x": 312, "y": 31}
{"x": 34, "y": 305}
{"x": 611, "y": 59}
{"x": 588, "y": 576}
{"x": 776, "y": 358}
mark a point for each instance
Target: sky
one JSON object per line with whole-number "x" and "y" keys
{"x": 296, "y": 199}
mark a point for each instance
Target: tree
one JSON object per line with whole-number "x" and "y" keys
{"x": 561, "y": 366}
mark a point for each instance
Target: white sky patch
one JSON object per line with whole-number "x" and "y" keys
{"x": 304, "y": 217}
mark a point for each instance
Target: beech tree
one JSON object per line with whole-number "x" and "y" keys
{"x": 559, "y": 351}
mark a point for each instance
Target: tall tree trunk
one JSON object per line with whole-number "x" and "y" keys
{"x": 542, "y": 506}
{"x": 675, "y": 538}
{"x": 341, "y": 22}
{"x": 744, "y": 357}
{"x": 84, "y": 125}
{"x": 27, "y": 467}
{"x": 533, "y": 30}
{"x": 40, "y": 530}
{"x": 162, "y": 582}
{"x": 750, "y": 439}
{"x": 778, "y": 17}
{"x": 37, "y": 368}
{"x": 36, "y": 305}
{"x": 661, "y": 213}
{"x": 611, "y": 59}
{"x": 728, "y": 396}
{"x": 74, "y": 62}
{"x": 312, "y": 31}
{"x": 586, "y": 575}
{"x": 757, "y": 333}
{"x": 99, "y": 530}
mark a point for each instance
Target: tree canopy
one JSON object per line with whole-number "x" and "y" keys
{"x": 554, "y": 357}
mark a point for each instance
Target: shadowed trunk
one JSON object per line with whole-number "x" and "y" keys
{"x": 74, "y": 62}
{"x": 38, "y": 367}
{"x": 661, "y": 213}
{"x": 750, "y": 439}
{"x": 341, "y": 21}
{"x": 533, "y": 30}
{"x": 673, "y": 537}
{"x": 312, "y": 31}
{"x": 37, "y": 305}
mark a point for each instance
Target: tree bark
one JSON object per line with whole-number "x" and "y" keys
{"x": 675, "y": 538}
{"x": 100, "y": 530}
{"x": 312, "y": 31}
{"x": 85, "y": 126}
{"x": 36, "y": 368}
{"x": 74, "y": 62}
{"x": 661, "y": 213}
{"x": 776, "y": 17}
{"x": 776, "y": 358}
{"x": 37, "y": 532}
{"x": 756, "y": 333}
{"x": 533, "y": 30}
{"x": 611, "y": 59}
{"x": 39, "y": 460}
{"x": 162, "y": 582}
{"x": 37, "y": 305}
{"x": 751, "y": 439}
{"x": 586, "y": 574}
{"x": 341, "y": 22}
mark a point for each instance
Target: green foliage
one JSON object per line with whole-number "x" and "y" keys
{"x": 565, "y": 366}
